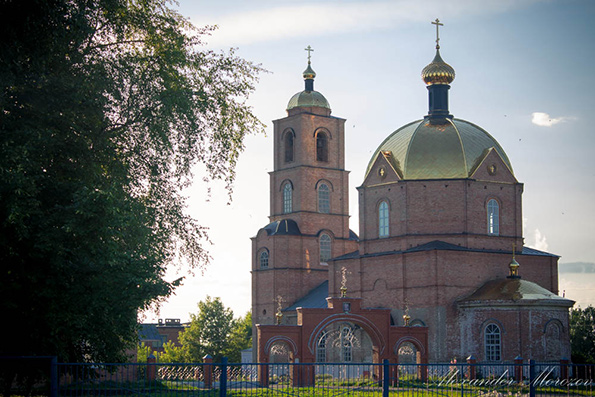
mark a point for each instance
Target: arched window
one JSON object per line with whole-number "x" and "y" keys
{"x": 346, "y": 345}
{"x": 321, "y": 349}
{"x": 264, "y": 259}
{"x": 324, "y": 204}
{"x": 289, "y": 147}
{"x": 321, "y": 147}
{"x": 492, "y": 343}
{"x": 493, "y": 218}
{"x": 325, "y": 248}
{"x": 287, "y": 198}
{"x": 383, "y": 229}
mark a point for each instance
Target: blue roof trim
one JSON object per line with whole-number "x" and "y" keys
{"x": 315, "y": 299}
{"x": 442, "y": 246}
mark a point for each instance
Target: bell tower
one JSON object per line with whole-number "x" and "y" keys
{"x": 309, "y": 207}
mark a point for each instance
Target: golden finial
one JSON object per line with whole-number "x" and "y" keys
{"x": 438, "y": 24}
{"x": 343, "y": 282}
{"x": 279, "y": 314}
{"x": 406, "y": 316}
{"x": 309, "y": 73}
{"x": 514, "y": 265}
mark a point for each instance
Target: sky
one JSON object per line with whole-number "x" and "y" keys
{"x": 522, "y": 73}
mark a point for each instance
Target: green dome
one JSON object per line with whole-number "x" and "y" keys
{"x": 307, "y": 99}
{"x": 421, "y": 150}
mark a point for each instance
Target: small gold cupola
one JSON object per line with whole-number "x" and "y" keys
{"x": 438, "y": 75}
{"x": 514, "y": 265}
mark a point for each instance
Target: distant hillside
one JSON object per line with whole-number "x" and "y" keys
{"x": 577, "y": 267}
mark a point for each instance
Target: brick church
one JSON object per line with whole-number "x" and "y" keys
{"x": 439, "y": 268}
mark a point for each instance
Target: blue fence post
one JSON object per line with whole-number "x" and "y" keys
{"x": 385, "y": 378}
{"x": 54, "y": 377}
{"x": 223, "y": 378}
{"x": 532, "y": 378}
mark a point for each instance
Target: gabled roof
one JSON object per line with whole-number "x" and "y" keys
{"x": 315, "y": 299}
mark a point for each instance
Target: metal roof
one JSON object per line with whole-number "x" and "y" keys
{"x": 422, "y": 150}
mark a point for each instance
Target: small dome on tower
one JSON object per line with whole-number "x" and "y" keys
{"x": 438, "y": 71}
{"x": 309, "y": 73}
{"x": 309, "y": 98}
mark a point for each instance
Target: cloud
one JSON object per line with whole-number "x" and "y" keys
{"x": 540, "y": 241}
{"x": 545, "y": 120}
{"x": 313, "y": 19}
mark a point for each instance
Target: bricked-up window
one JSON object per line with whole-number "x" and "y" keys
{"x": 321, "y": 147}
{"x": 383, "y": 219}
{"x": 264, "y": 259}
{"x": 287, "y": 198}
{"x": 493, "y": 218}
{"x": 325, "y": 248}
{"x": 324, "y": 202}
{"x": 321, "y": 349}
{"x": 289, "y": 147}
{"x": 492, "y": 342}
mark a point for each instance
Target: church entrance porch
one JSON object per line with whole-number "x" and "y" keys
{"x": 341, "y": 333}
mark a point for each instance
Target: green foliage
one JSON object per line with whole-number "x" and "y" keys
{"x": 171, "y": 353}
{"x": 582, "y": 335}
{"x": 107, "y": 106}
{"x": 215, "y": 332}
{"x": 240, "y": 338}
{"x": 208, "y": 332}
{"x": 143, "y": 352}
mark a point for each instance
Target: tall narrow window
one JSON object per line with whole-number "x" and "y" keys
{"x": 325, "y": 248}
{"x": 324, "y": 204}
{"x": 287, "y": 198}
{"x": 289, "y": 147}
{"x": 492, "y": 343}
{"x": 493, "y": 218}
{"x": 321, "y": 147}
{"x": 264, "y": 259}
{"x": 321, "y": 349}
{"x": 383, "y": 219}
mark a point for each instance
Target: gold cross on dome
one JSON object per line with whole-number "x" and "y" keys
{"x": 309, "y": 49}
{"x": 438, "y": 24}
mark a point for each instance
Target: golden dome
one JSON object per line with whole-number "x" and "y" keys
{"x": 309, "y": 73}
{"x": 438, "y": 71}
{"x": 422, "y": 150}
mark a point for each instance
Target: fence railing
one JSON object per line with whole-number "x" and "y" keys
{"x": 314, "y": 379}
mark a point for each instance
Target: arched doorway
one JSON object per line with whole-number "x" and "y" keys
{"x": 347, "y": 343}
{"x": 281, "y": 355}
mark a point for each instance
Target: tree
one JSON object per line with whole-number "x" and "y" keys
{"x": 240, "y": 338}
{"x": 171, "y": 353}
{"x": 107, "y": 106}
{"x": 208, "y": 332}
{"x": 582, "y": 335}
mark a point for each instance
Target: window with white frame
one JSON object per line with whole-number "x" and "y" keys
{"x": 492, "y": 342}
{"x": 324, "y": 202}
{"x": 383, "y": 228}
{"x": 493, "y": 218}
{"x": 264, "y": 259}
{"x": 287, "y": 198}
{"x": 325, "y": 248}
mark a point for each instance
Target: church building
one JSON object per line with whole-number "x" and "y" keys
{"x": 440, "y": 257}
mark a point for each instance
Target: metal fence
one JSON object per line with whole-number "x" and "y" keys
{"x": 328, "y": 379}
